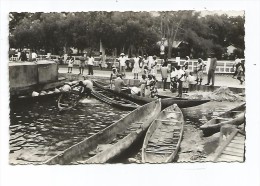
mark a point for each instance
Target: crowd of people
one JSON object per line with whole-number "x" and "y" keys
{"x": 181, "y": 78}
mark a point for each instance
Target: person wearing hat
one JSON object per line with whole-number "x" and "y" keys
{"x": 212, "y": 68}
{"x": 122, "y": 63}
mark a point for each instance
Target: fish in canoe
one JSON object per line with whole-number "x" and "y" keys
{"x": 163, "y": 137}
{"x": 235, "y": 116}
{"x": 111, "y": 141}
{"x": 166, "y": 102}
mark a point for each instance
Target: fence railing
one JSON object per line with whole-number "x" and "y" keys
{"x": 224, "y": 67}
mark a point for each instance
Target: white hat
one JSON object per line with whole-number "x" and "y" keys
{"x": 122, "y": 54}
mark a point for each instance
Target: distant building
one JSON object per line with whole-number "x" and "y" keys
{"x": 175, "y": 44}
{"x": 230, "y": 49}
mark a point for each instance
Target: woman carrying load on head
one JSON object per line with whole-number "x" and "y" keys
{"x": 200, "y": 67}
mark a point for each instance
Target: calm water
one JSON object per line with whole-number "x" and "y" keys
{"x": 39, "y": 131}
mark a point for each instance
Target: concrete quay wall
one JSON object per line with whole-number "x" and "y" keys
{"x": 28, "y": 76}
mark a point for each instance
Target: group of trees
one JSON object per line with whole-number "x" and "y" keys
{"x": 128, "y": 32}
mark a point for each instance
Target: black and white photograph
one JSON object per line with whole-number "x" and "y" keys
{"x": 126, "y": 87}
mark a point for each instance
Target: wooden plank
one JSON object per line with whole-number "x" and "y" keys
{"x": 231, "y": 158}
{"x": 238, "y": 142}
{"x": 221, "y": 149}
{"x": 232, "y": 153}
{"x": 223, "y": 160}
{"x": 237, "y": 146}
{"x": 230, "y": 149}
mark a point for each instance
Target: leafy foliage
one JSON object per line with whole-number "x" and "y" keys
{"x": 128, "y": 32}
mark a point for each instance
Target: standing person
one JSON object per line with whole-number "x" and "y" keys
{"x": 173, "y": 77}
{"x": 101, "y": 60}
{"x": 141, "y": 62}
{"x": 143, "y": 83}
{"x": 122, "y": 64}
{"x": 212, "y": 68}
{"x": 185, "y": 83}
{"x": 240, "y": 73}
{"x": 152, "y": 85}
{"x": 34, "y": 56}
{"x": 180, "y": 79}
{"x": 145, "y": 62}
{"x": 70, "y": 64}
{"x": 113, "y": 76}
{"x": 90, "y": 65}
{"x": 23, "y": 56}
{"x": 186, "y": 63}
{"x": 164, "y": 73}
{"x": 136, "y": 68}
{"x": 200, "y": 67}
{"x": 81, "y": 64}
{"x": 154, "y": 66}
{"x": 119, "y": 83}
{"x": 235, "y": 66}
{"x": 65, "y": 58}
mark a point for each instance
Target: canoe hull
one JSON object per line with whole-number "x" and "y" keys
{"x": 166, "y": 102}
{"x": 122, "y": 106}
{"x": 163, "y": 137}
{"x": 144, "y": 114}
{"x": 235, "y": 116}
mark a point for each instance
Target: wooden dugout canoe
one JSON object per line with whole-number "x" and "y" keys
{"x": 166, "y": 102}
{"x": 235, "y": 116}
{"x": 120, "y": 135}
{"x": 111, "y": 100}
{"x": 163, "y": 137}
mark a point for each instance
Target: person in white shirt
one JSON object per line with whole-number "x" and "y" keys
{"x": 90, "y": 65}
{"x": 180, "y": 79}
{"x": 122, "y": 64}
{"x": 236, "y": 65}
{"x": 34, "y": 56}
{"x": 154, "y": 65}
{"x": 136, "y": 68}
